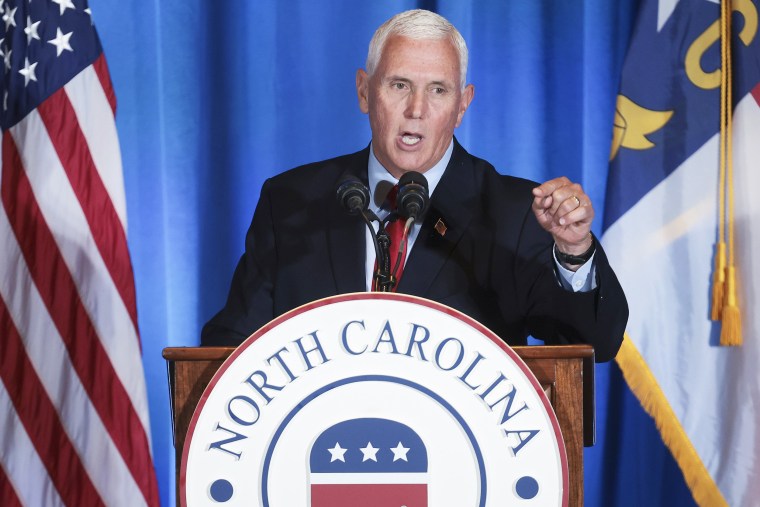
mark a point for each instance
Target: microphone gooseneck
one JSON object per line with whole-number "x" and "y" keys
{"x": 412, "y": 201}
{"x": 353, "y": 195}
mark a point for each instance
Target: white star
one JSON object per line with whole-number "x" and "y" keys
{"x": 9, "y": 17}
{"x": 64, "y": 4}
{"x": 399, "y": 452}
{"x": 31, "y": 30}
{"x": 28, "y": 71}
{"x": 61, "y": 41}
{"x": 370, "y": 453}
{"x": 337, "y": 452}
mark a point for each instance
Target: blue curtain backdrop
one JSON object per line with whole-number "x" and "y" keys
{"x": 214, "y": 97}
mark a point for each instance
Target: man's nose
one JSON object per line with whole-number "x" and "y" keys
{"x": 416, "y": 105}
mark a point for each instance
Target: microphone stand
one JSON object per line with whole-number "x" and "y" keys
{"x": 354, "y": 196}
{"x": 401, "y": 247}
{"x": 382, "y": 281}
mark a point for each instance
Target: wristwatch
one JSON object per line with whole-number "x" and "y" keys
{"x": 575, "y": 260}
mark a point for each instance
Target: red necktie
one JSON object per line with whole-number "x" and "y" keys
{"x": 395, "y": 231}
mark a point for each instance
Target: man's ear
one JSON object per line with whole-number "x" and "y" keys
{"x": 464, "y": 102}
{"x": 362, "y": 90}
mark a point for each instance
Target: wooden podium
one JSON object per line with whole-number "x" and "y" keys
{"x": 566, "y": 373}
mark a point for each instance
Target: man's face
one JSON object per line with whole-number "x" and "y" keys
{"x": 414, "y": 102}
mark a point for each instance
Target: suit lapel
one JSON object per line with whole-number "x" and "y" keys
{"x": 452, "y": 207}
{"x": 346, "y": 233}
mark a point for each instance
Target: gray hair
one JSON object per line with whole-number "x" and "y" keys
{"x": 417, "y": 24}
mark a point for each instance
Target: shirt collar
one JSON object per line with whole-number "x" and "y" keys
{"x": 381, "y": 181}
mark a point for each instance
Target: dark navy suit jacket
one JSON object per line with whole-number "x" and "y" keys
{"x": 494, "y": 262}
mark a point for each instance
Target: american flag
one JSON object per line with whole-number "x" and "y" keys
{"x": 74, "y": 426}
{"x": 369, "y": 462}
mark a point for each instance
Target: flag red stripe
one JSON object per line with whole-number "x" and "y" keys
{"x": 59, "y": 292}
{"x": 101, "y": 69}
{"x": 8, "y": 497}
{"x": 756, "y": 93}
{"x": 368, "y": 495}
{"x": 71, "y": 146}
{"x": 40, "y": 419}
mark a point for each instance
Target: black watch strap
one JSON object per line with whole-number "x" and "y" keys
{"x": 575, "y": 260}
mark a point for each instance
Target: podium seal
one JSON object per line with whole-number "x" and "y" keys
{"x": 374, "y": 399}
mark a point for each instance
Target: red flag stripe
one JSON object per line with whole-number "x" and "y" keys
{"x": 8, "y": 496}
{"x": 59, "y": 292}
{"x": 756, "y": 93}
{"x": 101, "y": 69}
{"x": 41, "y": 421}
{"x": 70, "y": 144}
{"x": 368, "y": 495}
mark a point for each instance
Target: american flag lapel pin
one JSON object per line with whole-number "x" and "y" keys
{"x": 440, "y": 227}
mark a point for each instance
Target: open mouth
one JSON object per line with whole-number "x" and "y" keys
{"x": 411, "y": 139}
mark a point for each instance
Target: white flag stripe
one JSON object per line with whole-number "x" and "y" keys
{"x": 21, "y": 462}
{"x": 747, "y": 185}
{"x": 97, "y": 123}
{"x": 712, "y": 390}
{"x": 63, "y": 214}
{"x": 48, "y": 355}
{"x": 369, "y": 478}
{"x": 738, "y": 468}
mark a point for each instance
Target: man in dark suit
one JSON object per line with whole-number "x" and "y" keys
{"x": 518, "y": 257}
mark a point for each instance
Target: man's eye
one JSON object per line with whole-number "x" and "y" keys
{"x": 399, "y": 86}
{"x": 439, "y": 91}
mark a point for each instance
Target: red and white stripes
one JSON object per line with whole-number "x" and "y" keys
{"x": 73, "y": 390}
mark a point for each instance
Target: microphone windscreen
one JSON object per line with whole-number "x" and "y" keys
{"x": 353, "y": 195}
{"x": 412, "y": 198}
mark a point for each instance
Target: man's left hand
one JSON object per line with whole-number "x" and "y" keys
{"x": 566, "y": 212}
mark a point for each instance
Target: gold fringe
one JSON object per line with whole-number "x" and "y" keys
{"x": 731, "y": 330}
{"x": 645, "y": 388}
{"x": 719, "y": 281}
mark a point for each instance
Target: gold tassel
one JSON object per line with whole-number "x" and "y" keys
{"x": 719, "y": 281}
{"x": 728, "y": 313}
{"x": 731, "y": 330}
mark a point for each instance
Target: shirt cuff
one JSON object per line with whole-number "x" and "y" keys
{"x": 583, "y": 280}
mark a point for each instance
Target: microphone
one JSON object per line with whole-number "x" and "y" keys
{"x": 412, "y": 198}
{"x": 353, "y": 195}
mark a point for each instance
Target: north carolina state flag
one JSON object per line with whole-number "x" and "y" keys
{"x": 662, "y": 225}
